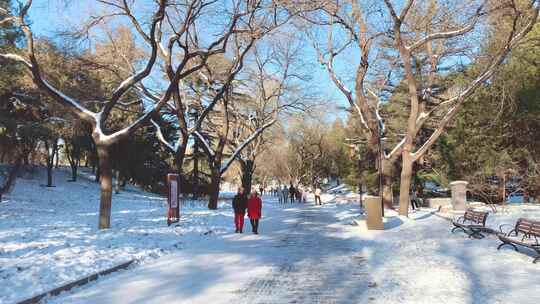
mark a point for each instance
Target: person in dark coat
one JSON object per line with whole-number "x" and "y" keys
{"x": 239, "y": 205}
{"x": 254, "y": 207}
{"x": 292, "y": 193}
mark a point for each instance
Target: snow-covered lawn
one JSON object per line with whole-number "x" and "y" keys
{"x": 418, "y": 260}
{"x": 48, "y": 236}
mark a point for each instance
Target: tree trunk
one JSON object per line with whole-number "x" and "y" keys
{"x": 195, "y": 173}
{"x": 117, "y": 182}
{"x": 11, "y": 176}
{"x": 73, "y": 162}
{"x": 74, "y": 172}
{"x": 105, "y": 177}
{"x": 51, "y": 152}
{"x": 98, "y": 172}
{"x": 405, "y": 183}
{"x": 503, "y": 188}
{"x": 214, "y": 189}
{"x": 387, "y": 194}
{"x": 49, "y": 175}
{"x": 248, "y": 167}
{"x": 179, "y": 161}
{"x": 56, "y": 157}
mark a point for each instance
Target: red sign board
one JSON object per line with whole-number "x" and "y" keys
{"x": 173, "y": 190}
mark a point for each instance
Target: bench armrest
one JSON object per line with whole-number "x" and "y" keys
{"x": 502, "y": 231}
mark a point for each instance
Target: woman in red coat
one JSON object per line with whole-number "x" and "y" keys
{"x": 254, "y": 211}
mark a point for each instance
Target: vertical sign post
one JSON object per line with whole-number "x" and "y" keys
{"x": 173, "y": 187}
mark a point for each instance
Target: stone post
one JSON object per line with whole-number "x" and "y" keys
{"x": 374, "y": 213}
{"x": 459, "y": 195}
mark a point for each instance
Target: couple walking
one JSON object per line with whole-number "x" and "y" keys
{"x": 253, "y": 205}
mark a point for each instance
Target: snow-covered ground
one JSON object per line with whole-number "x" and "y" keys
{"x": 304, "y": 254}
{"x": 48, "y": 236}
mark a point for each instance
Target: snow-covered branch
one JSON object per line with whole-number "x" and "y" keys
{"x": 459, "y": 99}
{"x": 206, "y": 145}
{"x": 161, "y": 138}
{"x": 246, "y": 142}
{"x": 17, "y": 58}
{"x": 449, "y": 34}
{"x": 131, "y": 81}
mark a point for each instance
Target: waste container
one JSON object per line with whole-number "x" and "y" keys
{"x": 374, "y": 213}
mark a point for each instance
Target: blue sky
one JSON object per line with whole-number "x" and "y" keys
{"x": 48, "y": 17}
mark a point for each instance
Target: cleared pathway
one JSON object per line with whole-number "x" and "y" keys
{"x": 299, "y": 257}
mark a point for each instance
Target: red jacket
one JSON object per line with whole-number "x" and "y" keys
{"x": 254, "y": 207}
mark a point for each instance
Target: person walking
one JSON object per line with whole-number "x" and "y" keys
{"x": 414, "y": 202}
{"x": 298, "y": 194}
{"x": 254, "y": 207}
{"x": 239, "y": 206}
{"x": 285, "y": 194}
{"x": 318, "y": 193}
{"x": 292, "y": 193}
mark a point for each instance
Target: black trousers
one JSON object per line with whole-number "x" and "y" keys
{"x": 414, "y": 204}
{"x": 254, "y": 225}
{"x": 318, "y": 200}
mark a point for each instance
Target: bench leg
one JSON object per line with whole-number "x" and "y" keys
{"x": 457, "y": 227}
{"x": 506, "y": 243}
{"x": 537, "y": 249}
{"x": 476, "y": 234}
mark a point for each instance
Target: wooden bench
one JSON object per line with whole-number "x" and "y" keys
{"x": 472, "y": 223}
{"x": 529, "y": 231}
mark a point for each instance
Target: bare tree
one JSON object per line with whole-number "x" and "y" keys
{"x": 275, "y": 86}
{"x": 426, "y": 50}
{"x": 258, "y": 20}
{"x": 349, "y": 26}
{"x": 171, "y": 36}
{"x": 419, "y": 48}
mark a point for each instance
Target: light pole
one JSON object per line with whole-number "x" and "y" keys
{"x": 381, "y": 171}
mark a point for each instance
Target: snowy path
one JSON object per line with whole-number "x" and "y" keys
{"x": 299, "y": 257}
{"x": 317, "y": 267}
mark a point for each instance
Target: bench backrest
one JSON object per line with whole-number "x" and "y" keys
{"x": 529, "y": 227}
{"x": 476, "y": 216}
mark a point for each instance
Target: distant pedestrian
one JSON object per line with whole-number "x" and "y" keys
{"x": 285, "y": 194}
{"x": 304, "y": 196}
{"x": 298, "y": 194}
{"x": 414, "y": 201}
{"x": 318, "y": 193}
{"x": 239, "y": 206}
{"x": 254, "y": 207}
{"x": 261, "y": 190}
{"x": 292, "y": 193}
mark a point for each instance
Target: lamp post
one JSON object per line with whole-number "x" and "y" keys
{"x": 381, "y": 171}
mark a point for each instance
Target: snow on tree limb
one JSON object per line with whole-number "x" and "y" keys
{"x": 206, "y": 144}
{"x": 459, "y": 99}
{"x": 449, "y": 34}
{"x": 131, "y": 81}
{"x": 246, "y": 142}
{"x": 17, "y": 58}
{"x": 161, "y": 138}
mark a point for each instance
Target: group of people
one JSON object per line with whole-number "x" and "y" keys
{"x": 290, "y": 194}
{"x": 253, "y": 205}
